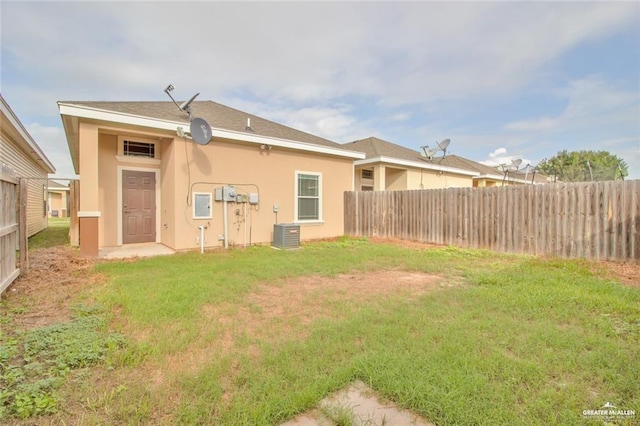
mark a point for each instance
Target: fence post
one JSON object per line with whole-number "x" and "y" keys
{"x": 23, "y": 240}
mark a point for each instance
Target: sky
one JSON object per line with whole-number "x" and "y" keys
{"x": 501, "y": 80}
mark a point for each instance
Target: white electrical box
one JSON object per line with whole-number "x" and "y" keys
{"x": 253, "y": 198}
{"x": 228, "y": 193}
{"x": 217, "y": 194}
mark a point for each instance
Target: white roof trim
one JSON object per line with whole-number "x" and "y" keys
{"x": 500, "y": 177}
{"x": 156, "y": 123}
{"x": 416, "y": 164}
{"x": 17, "y": 124}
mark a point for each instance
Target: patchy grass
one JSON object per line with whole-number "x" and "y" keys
{"x": 57, "y": 234}
{"x": 257, "y": 336}
{"x": 34, "y": 363}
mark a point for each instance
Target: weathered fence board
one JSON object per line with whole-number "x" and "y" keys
{"x": 596, "y": 220}
{"x": 8, "y": 227}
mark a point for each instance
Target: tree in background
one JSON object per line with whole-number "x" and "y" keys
{"x": 584, "y": 166}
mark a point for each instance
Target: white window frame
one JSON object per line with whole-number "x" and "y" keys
{"x": 362, "y": 174}
{"x": 208, "y": 194}
{"x": 136, "y": 159}
{"x": 296, "y": 197}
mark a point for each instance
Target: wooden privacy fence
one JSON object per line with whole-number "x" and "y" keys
{"x": 595, "y": 220}
{"x": 9, "y": 228}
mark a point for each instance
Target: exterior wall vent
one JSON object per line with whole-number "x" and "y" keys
{"x": 286, "y": 235}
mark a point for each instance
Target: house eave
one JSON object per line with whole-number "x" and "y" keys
{"x": 85, "y": 112}
{"x": 415, "y": 164}
{"x": 25, "y": 140}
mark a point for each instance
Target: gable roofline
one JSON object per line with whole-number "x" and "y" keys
{"x": 488, "y": 172}
{"x": 27, "y": 143}
{"x": 380, "y": 150}
{"x": 53, "y": 185}
{"x": 416, "y": 164}
{"x": 87, "y": 112}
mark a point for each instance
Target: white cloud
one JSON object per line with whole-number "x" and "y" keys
{"x": 500, "y": 156}
{"x": 401, "y": 116}
{"x": 321, "y": 66}
{"x": 301, "y": 52}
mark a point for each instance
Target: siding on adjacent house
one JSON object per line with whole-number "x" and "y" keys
{"x": 26, "y": 168}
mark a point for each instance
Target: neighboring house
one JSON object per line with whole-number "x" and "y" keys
{"x": 389, "y": 166}
{"x": 142, "y": 181}
{"x": 393, "y": 167}
{"x": 57, "y": 199}
{"x": 21, "y": 153}
{"x": 493, "y": 176}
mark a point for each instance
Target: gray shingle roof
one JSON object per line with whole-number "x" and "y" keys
{"x": 375, "y": 147}
{"x": 217, "y": 115}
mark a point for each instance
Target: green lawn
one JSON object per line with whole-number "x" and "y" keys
{"x": 235, "y": 338}
{"x": 57, "y": 234}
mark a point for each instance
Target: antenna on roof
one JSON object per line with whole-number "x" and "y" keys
{"x": 185, "y": 106}
{"x": 430, "y": 153}
{"x": 513, "y": 167}
{"x": 200, "y": 131}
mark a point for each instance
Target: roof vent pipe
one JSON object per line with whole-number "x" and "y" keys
{"x": 248, "y": 124}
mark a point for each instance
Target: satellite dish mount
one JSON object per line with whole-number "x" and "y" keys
{"x": 185, "y": 106}
{"x": 200, "y": 131}
{"x": 431, "y": 153}
{"x": 506, "y": 168}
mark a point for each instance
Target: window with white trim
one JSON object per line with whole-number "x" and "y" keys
{"x": 139, "y": 149}
{"x": 308, "y": 197}
{"x": 202, "y": 205}
{"x": 366, "y": 174}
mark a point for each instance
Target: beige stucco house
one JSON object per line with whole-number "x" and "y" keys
{"x": 57, "y": 199}
{"x": 143, "y": 181}
{"x": 22, "y": 154}
{"x": 389, "y": 167}
{"x": 494, "y": 176}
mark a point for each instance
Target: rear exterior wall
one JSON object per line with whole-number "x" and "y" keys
{"x": 184, "y": 168}
{"x": 28, "y": 169}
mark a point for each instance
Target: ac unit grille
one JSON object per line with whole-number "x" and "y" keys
{"x": 286, "y": 235}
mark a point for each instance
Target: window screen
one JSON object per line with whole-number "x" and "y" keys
{"x": 139, "y": 149}
{"x": 308, "y": 197}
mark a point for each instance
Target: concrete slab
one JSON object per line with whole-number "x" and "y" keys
{"x": 360, "y": 404}
{"x": 135, "y": 250}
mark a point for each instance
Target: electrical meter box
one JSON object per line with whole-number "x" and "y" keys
{"x": 228, "y": 193}
{"x": 225, "y": 193}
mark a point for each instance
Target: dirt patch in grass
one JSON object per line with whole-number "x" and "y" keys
{"x": 302, "y": 300}
{"x": 55, "y": 277}
{"x": 627, "y": 273}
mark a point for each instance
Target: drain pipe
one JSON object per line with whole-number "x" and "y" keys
{"x": 202, "y": 228}
{"x": 225, "y": 219}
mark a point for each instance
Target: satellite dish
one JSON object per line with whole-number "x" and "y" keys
{"x": 200, "y": 131}
{"x": 516, "y": 163}
{"x": 185, "y": 105}
{"x": 444, "y": 144}
{"x": 429, "y": 153}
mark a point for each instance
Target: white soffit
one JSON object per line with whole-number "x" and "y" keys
{"x": 157, "y": 123}
{"x": 416, "y": 164}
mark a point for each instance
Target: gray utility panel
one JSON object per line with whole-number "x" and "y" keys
{"x": 286, "y": 235}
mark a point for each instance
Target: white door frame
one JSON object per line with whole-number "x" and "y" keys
{"x": 119, "y": 207}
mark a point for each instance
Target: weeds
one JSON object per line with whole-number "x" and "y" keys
{"x": 34, "y": 363}
{"x": 514, "y": 340}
